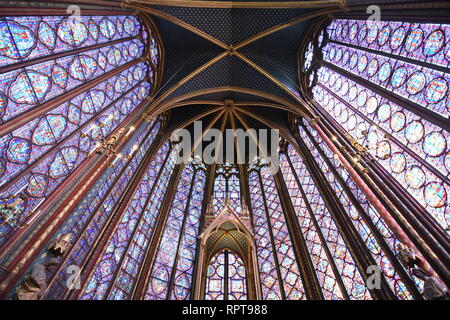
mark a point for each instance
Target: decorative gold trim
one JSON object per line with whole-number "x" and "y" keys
{"x": 236, "y": 144}
{"x": 285, "y": 134}
{"x": 209, "y": 126}
{"x": 220, "y": 142}
{"x": 284, "y": 25}
{"x": 197, "y": 102}
{"x": 237, "y": 150}
{"x": 260, "y": 104}
{"x": 308, "y": 37}
{"x": 276, "y": 81}
{"x": 187, "y": 78}
{"x": 244, "y": 5}
{"x": 159, "y": 69}
{"x": 179, "y": 22}
{"x": 169, "y": 104}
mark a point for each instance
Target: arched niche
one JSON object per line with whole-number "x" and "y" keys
{"x": 227, "y": 231}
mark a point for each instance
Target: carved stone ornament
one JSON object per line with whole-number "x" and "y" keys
{"x": 34, "y": 285}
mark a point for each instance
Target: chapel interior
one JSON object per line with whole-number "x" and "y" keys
{"x": 99, "y": 199}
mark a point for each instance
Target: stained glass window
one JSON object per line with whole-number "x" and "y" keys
{"x": 321, "y": 257}
{"x": 227, "y": 188}
{"x": 184, "y": 268}
{"x": 377, "y": 80}
{"x": 91, "y": 216}
{"x": 278, "y": 267}
{"x": 220, "y": 185}
{"x": 337, "y": 249}
{"x": 226, "y": 277}
{"x": 215, "y": 278}
{"x": 237, "y": 287}
{"x": 234, "y": 193}
{"x": 362, "y": 218}
{"x": 65, "y": 85}
{"x": 127, "y": 245}
{"x": 177, "y": 247}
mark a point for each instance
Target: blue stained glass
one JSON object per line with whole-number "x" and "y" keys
{"x": 52, "y": 143}
{"x": 370, "y": 117}
{"x": 70, "y": 155}
{"x": 114, "y": 56}
{"x": 121, "y": 84}
{"x": 72, "y": 32}
{"x": 82, "y": 67}
{"x": 397, "y": 38}
{"x": 399, "y": 77}
{"x": 58, "y": 168}
{"x": 414, "y": 40}
{"x": 19, "y": 150}
{"x": 37, "y": 185}
{"x": 47, "y": 35}
{"x": 434, "y": 43}
{"x": 93, "y": 29}
{"x": 358, "y": 221}
{"x": 99, "y": 218}
{"x": 273, "y": 218}
{"x": 60, "y": 76}
{"x": 434, "y": 144}
{"x": 29, "y": 87}
{"x": 129, "y": 26}
{"x": 131, "y": 219}
{"x": 107, "y": 28}
{"x": 17, "y": 41}
{"x": 419, "y": 41}
{"x": 436, "y": 90}
{"x": 43, "y": 133}
{"x": 57, "y": 124}
{"x": 354, "y": 283}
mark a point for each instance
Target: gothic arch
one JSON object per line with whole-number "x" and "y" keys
{"x": 226, "y": 230}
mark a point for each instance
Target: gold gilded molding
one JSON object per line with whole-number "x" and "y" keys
{"x": 179, "y": 22}
{"x": 284, "y": 25}
{"x": 285, "y": 134}
{"x": 187, "y": 78}
{"x": 209, "y": 126}
{"x": 153, "y": 110}
{"x": 245, "y": 4}
{"x": 276, "y": 81}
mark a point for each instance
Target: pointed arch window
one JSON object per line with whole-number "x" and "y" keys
{"x": 387, "y": 85}
{"x": 91, "y": 215}
{"x": 226, "y": 277}
{"x": 118, "y": 266}
{"x": 311, "y": 209}
{"x": 380, "y": 241}
{"x": 66, "y": 85}
{"x": 172, "y": 273}
{"x": 227, "y": 187}
{"x": 278, "y": 267}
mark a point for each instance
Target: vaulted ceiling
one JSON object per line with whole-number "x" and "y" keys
{"x": 244, "y": 56}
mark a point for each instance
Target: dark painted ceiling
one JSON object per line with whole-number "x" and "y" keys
{"x": 186, "y": 51}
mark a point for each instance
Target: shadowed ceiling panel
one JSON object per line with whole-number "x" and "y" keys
{"x": 231, "y": 71}
{"x": 181, "y": 114}
{"x": 280, "y": 117}
{"x": 277, "y": 53}
{"x": 184, "y": 51}
{"x": 232, "y": 95}
{"x": 233, "y": 240}
{"x": 232, "y": 26}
